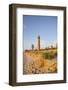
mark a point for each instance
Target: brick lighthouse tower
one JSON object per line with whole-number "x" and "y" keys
{"x": 38, "y": 41}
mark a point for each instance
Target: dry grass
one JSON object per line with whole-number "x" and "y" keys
{"x": 39, "y": 64}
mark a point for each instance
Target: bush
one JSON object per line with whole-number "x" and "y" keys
{"x": 48, "y": 55}
{"x": 55, "y": 54}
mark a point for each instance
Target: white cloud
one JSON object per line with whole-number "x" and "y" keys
{"x": 42, "y": 44}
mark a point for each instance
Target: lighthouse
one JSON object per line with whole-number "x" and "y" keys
{"x": 38, "y": 41}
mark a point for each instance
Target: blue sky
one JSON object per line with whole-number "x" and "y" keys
{"x": 46, "y": 26}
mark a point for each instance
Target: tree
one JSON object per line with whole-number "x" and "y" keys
{"x": 32, "y": 46}
{"x": 51, "y": 46}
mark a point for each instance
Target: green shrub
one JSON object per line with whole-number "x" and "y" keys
{"x": 55, "y": 54}
{"x": 48, "y": 55}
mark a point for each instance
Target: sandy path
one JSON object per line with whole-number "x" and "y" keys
{"x": 27, "y": 58}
